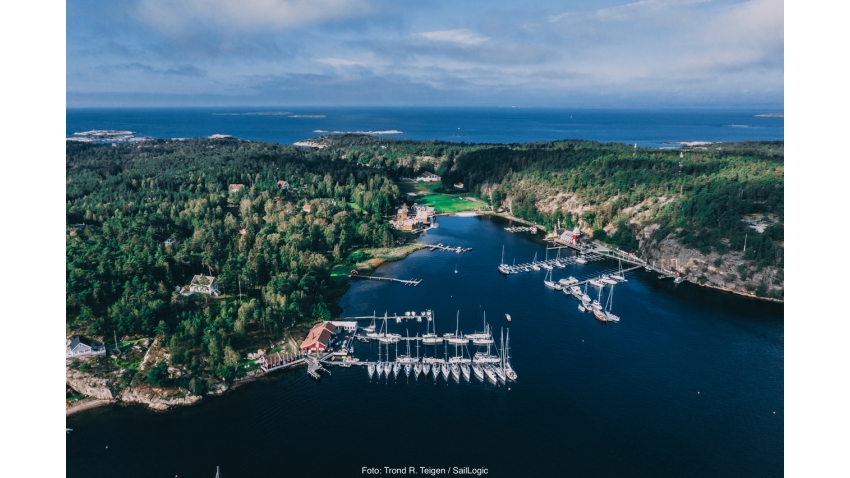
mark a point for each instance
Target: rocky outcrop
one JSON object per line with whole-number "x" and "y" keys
{"x": 730, "y": 271}
{"x": 88, "y": 385}
{"x": 157, "y": 399}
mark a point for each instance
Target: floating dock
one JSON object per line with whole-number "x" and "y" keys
{"x": 413, "y": 282}
{"x": 441, "y": 247}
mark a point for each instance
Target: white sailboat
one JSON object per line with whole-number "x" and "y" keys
{"x": 499, "y": 367}
{"x": 444, "y": 368}
{"x": 371, "y": 328}
{"x": 417, "y": 366}
{"x": 549, "y": 283}
{"x": 478, "y": 371}
{"x": 371, "y": 369}
{"x": 610, "y": 317}
{"x": 534, "y": 263}
{"x": 456, "y": 338}
{"x": 431, "y": 338}
{"x": 620, "y": 275}
{"x": 509, "y": 370}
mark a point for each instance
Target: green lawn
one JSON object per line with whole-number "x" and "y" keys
{"x": 443, "y": 203}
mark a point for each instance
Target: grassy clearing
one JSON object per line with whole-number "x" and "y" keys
{"x": 444, "y": 203}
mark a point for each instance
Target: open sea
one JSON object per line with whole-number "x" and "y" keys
{"x": 646, "y": 128}
{"x": 688, "y": 383}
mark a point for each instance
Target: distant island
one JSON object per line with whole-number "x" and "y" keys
{"x": 256, "y": 113}
{"x": 195, "y": 257}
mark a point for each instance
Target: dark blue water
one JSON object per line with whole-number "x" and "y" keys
{"x": 646, "y": 128}
{"x": 689, "y": 383}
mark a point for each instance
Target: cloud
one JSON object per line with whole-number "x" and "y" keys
{"x": 171, "y": 17}
{"x": 177, "y": 70}
{"x": 462, "y": 37}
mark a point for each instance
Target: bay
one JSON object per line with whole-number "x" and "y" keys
{"x": 646, "y": 128}
{"x": 688, "y": 383}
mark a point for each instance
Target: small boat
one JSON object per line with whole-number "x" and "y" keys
{"x": 678, "y": 280}
{"x": 435, "y": 370}
{"x": 478, "y": 371}
{"x": 444, "y": 368}
{"x": 379, "y": 367}
{"x": 508, "y": 316}
{"x": 68, "y": 430}
{"x": 407, "y": 369}
{"x": 607, "y": 280}
{"x": 396, "y": 369}
{"x": 455, "y": 370}
{"x": 371, "y": 369}
{"x": 426, "y": 369}
{"x": 549, "y": 283}
{"x": 417, "y": 369}
{"x": 596, "y": 283}
{"x": 581, "y": 260}
{"x": 581, "y": 308}
{"x": 489, "y": 372}
{"x": 464, "y": 368}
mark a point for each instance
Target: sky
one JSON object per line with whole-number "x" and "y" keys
{"x": 601, "y": 53}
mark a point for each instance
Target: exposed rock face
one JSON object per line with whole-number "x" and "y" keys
{"x": 155, "y": 398}
{"x": 701, "y": 269}
{"x": 88, "y": 385}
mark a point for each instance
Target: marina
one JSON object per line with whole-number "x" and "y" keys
{"x": 631, "y": 386}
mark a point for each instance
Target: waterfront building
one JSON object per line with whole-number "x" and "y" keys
{"x": 319, "y": 337}
{"x": 80, "y": 346}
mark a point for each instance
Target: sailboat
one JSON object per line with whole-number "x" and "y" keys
{"x": 431, "y": 338}
{"x": 417, "y": 367}
{"x": 444, "y": 367}
{"x": 456, "y": 338}
{"x": 499, "y": 367}
{"x": 371, "y": 328}
{"x": 598, "y": 311}
{"x": 620, "y": 276}
{"x": 545, "y": 263}
{"x": 455, "y": 267}
{"x": 534, "y": 263}
{"x": 379, "y": 366}
{"x": 478, "y": 371}
{"x": 549, "y": 283}
{"x": 464, "y": 367}
{"x": 453, "y": 367}
{"x": 396, "y": 364}
{"x": 371, "y": 369}
{"x": 509, "y": 370}
{"x": 609, "y": 317}
{"x": 503, "y": 268}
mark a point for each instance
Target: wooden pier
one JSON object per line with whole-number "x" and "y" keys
{"x": 441, "y": 247}
{"x": 413, "y": 282}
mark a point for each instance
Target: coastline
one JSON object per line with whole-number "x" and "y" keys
{"x": 87, "y": 403}
{"x": 689, "y": 280}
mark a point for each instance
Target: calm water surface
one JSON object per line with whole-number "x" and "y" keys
{"x": 689, "y": 383}
{"x": 646, "y": 128}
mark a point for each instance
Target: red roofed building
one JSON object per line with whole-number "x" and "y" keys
{"x": 318, "y": 337}
{"x": 235, "y": 188}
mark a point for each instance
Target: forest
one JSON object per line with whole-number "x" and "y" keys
{"x": 715, "y": 186}
{"x": 143, "y": 219}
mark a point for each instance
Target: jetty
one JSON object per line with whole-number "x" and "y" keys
{"x": 408, "y": 282}
{"x": 441, "y": 247}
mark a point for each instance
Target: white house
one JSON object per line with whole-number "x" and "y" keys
{"x": 80, "y": 346}
{"x": 428, "y": 177}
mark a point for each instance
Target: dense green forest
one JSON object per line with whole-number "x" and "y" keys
{"x": 715, "y": 186}
{"x": 157, "y": 213}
